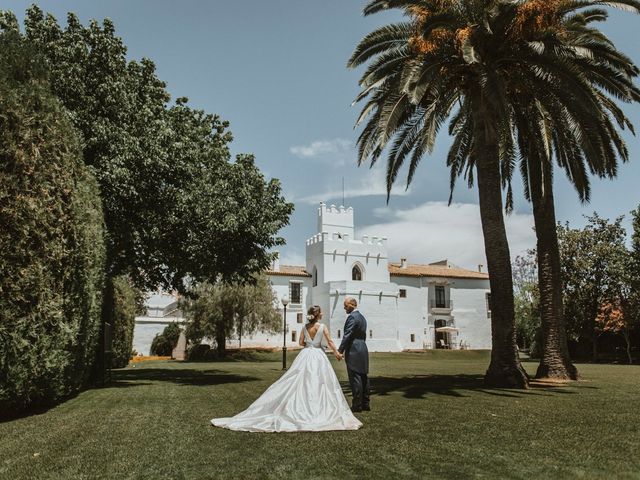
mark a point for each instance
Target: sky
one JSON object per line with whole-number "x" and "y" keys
{"x": 276, "y": 70}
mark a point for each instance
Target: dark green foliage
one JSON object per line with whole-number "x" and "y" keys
{"x": 51, "y": 241}
{"x": 164, "y": 343}
{"x": 165, "y": 173}
{"x": 172, "y": 334}
{"x": 127, "y": 303}
{"x": 199, "y": 352}
{"x": 597, "y": 270}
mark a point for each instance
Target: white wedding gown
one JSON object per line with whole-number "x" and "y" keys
{"x": 307, "y": 398}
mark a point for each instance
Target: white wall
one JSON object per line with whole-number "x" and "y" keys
{"x": 470, "y": 313}
{"x": 412, "y": 312}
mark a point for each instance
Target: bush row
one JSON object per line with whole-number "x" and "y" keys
{"x": 52, "y": 248}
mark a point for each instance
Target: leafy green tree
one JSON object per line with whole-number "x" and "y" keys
{"x": 591, "y": 261}
{"x": 52, "y": 247}
{"x": 223, "y": 310}
{"x": 527, "y": 302}
{"x": 621, "y": 312}
{"x": 165, "y": 174}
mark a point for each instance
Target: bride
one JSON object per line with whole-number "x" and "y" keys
{"x": 308, "y": 397}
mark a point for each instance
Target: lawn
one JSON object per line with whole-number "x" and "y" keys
{"x": 431, "y": 418}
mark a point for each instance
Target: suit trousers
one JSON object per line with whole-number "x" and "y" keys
{"x": 360, "y": 388}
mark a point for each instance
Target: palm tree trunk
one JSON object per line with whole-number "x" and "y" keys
{"x": 555, "y": 361}
{"x": 505, "y": 369}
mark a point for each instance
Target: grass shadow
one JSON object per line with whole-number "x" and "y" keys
{"x": 133, "y": 377}
{"x": 419, "y": 386}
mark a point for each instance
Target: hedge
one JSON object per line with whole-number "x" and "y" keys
{"x": 127, "y": 302}
{"x": 51, "y": 241}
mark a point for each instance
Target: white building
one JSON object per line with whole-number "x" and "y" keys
{"x": 404, "y": 304}
{"x": 162, "y": 309}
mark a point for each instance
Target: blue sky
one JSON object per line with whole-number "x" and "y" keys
{"x": 276, "y": 70}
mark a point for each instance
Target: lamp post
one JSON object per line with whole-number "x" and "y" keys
{"x": 285, "y": 302}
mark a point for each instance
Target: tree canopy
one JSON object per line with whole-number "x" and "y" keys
{"x": 175, "y": 204}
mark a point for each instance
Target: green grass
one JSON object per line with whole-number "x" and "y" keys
{"x": 431, "y": 418}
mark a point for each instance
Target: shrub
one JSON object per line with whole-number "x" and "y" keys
{"x": 199, "y": 352}
{"x": 164, "y": 343}
{"x": 51, "y": 242}
{"x": 126, "y": 304}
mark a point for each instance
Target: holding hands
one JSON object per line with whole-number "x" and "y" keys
{"x": 339, "y": 356}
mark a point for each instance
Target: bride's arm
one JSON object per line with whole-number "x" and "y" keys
{"x": 301, "y": 339}
{"x": 332, "y": 345}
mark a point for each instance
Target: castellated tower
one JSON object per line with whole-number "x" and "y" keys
{"x": 343, "y": 265}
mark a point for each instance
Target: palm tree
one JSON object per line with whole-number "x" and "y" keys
{"x": 473, "y": 62}
{"x": 573, "y": 123}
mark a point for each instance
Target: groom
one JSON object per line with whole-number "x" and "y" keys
{"x": 354, "y": 348}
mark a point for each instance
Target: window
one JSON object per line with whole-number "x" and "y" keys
{"x": 295, "y": 292}
{"x": 440, "y": 301}
{"x": 403, "y": 293}
{"x": 488, "y": 304}
{"x": 413, "y": 337}
{"x": 338, "y": 333}
{"x": 356, "y": 273}
{"x": 370, "y": 333}
{"x": 293, "y": 336}
{"x": 315, "y": 277}
{"x": 299, "y": 317}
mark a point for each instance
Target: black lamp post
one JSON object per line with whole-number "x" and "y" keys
{"x": 285, "y": 302}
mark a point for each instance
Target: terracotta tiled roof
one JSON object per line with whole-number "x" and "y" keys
{"x": 290, "y": 270}
{"x": 396, "y": 270}
{"x": 434, "y": 271}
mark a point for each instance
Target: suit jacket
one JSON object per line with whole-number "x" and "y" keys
{"x": 354, "y": 344}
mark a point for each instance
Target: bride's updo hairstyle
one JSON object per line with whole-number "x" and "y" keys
{"x": 313, "y": 313}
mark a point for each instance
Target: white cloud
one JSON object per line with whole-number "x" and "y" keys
{"x": 367, "y": 182}
{"x": 434, "y": 231}
{"x": 323, "y": 148}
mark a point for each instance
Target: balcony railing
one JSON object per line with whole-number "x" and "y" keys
{"x": 444, "y": 304}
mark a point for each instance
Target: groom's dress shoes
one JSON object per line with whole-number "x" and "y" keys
{"x": 366, "y": 408}
{"x": 356, "y": 409}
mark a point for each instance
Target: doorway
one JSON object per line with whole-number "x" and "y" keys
{"x": 442, "y": 338}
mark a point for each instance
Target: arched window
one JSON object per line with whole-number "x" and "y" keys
{"x": 356, "y": 273}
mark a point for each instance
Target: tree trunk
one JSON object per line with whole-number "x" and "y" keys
{"x": 625, "y": 334}
{"x": 594, "y": 341}
{"x": 555, "y": 361}
{"x": 221, "y": 340}
{"x": 505, "y": 369}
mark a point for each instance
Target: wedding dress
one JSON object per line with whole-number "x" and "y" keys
{"x": 307, "y": 398}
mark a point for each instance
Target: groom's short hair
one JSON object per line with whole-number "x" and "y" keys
{"x": 351, "y": 301}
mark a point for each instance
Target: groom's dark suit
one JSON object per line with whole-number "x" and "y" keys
{"x": 354, "y": 347}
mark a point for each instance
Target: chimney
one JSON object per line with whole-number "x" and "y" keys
{"x": 403, "y": 263}
{"x": 480, "y": 267}
{"x": 275, "y": 264}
